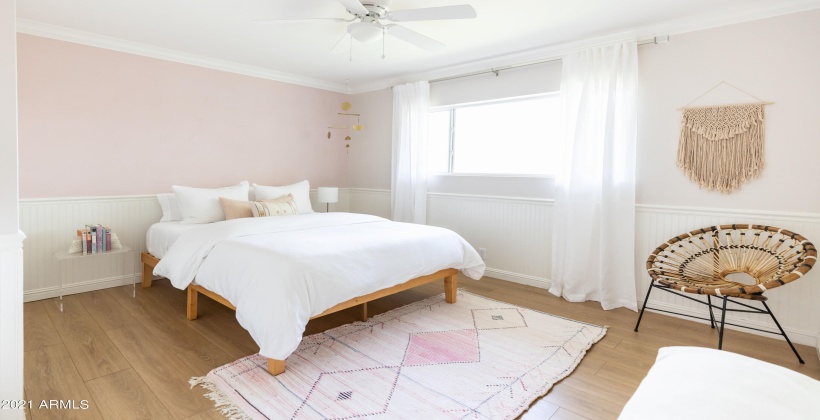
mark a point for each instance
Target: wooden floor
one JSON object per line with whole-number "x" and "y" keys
{"x": 132, "y": 357}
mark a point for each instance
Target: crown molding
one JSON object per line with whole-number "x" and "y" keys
{"x": 699, "y": 22}
{"x": 724, "y": 17}
{"x": 30, "y": 27}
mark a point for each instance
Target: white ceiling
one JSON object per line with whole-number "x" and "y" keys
{"x": 224, "y": 30}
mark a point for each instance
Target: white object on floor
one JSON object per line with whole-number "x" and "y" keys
{"x": 280, "y": 271}
{"x": 698, "y": 383}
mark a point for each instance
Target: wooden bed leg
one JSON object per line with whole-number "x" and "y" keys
{"x": 147, "y": 275}
{"x": 363, "y": 313}
{"x": 276, "y": 367}
{"x": 192, "y": 300}
{"x": 450, "y": 287}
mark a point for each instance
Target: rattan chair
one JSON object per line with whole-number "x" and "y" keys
{"x": 730, "y": 261}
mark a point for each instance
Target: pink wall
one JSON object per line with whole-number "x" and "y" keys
{"x": 96, "y": 122}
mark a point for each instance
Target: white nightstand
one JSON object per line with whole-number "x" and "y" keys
{"x": 124, "y": 257}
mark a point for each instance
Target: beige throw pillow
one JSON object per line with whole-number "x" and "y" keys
{"x": 269, "y": 208}
{"x": 237, "y": 209}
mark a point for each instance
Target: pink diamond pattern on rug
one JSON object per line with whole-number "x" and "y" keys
{"x": 333, "y": 397}
{"x": 432, "y": 348}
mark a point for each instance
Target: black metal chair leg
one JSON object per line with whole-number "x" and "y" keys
{"x": 646, "y": 299}
{"x": 722, "y": 324}
{"x": 711, "y": 314}
{"x": 783, "y": 332}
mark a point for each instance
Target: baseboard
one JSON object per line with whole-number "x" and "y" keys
{"x": 797, "y": 336}
{"x": 86, "y": 286}
{"x": 534, "y": 281}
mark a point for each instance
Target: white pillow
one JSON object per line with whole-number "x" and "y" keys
{"x": 300, "y": 191}
{"x": 170, "y": 207}
{"x": 201, "y": 205}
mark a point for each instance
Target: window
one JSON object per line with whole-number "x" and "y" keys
{"x": 515, "y": 136}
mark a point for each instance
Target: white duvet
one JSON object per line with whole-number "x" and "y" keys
{"x": 280, "y": 271}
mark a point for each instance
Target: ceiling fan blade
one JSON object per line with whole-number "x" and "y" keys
{"x": 422, "y": 41}
{"x": 354, "y": 6}
{"x": 299, "y": 20}
{"x": 464, "y": 11}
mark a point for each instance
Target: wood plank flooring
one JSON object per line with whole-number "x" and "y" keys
{"x": 131, "y": 358}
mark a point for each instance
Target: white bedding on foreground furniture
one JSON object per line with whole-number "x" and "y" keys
{"x": 161, "y": 236}
{"x": 280, "y": 271}
{"x": 700, "y": 383}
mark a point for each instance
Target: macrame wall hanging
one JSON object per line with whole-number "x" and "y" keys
{"x": 721, "y": 147}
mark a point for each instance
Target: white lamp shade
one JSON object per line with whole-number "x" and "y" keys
{"x": 328, "y": 194}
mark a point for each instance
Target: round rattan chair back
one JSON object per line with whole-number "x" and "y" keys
{"x": 707, "y": 261}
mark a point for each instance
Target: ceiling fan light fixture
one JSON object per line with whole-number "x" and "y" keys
{"x": 365, "y": 31}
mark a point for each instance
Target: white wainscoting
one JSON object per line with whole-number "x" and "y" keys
{"x": 51, "y": 225}
{"x": 514, "y": 231}
{"x": 369, "y": 201}
{"x": 517, "y": 235}
{"x": 11, "y": 321}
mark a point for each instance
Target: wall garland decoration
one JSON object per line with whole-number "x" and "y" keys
{"x": 721, "y": 147}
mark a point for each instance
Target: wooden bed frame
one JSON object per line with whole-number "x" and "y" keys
{"x": 276, "y": 367}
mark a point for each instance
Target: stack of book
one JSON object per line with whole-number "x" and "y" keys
{"x": 95, "y": 239}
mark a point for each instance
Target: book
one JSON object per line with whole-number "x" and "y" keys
{"x": 101, "y": 229}
{"x": 95, "y": 239}
{"x": 98, "y": 234}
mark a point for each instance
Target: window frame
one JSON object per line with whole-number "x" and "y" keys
{"x": 451, "y": 146}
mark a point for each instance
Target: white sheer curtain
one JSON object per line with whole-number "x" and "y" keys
{"x": 594, "y": 216}
{"x": 411, "y": 108}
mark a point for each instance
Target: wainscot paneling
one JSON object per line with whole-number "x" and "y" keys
{"x": 516, "y": 233}
{"x": 11, "y": 319}
{"x": 51, "y": 224}
{"x": 369, "y": 201}
{"x": 517, "y": 236}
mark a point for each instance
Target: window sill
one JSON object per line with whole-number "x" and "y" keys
{"x": 479, "y": 175}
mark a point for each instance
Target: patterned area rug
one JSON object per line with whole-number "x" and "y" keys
{"x": 478, "y": 358}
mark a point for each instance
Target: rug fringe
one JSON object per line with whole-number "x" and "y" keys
{"x": 221, "y": 401}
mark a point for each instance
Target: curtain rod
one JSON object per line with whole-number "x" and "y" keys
{"x": 496, "y": 70}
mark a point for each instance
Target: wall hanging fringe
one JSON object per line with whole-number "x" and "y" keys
{"x": 721, "y": 147}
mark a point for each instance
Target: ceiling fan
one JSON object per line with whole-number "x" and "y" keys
{"x": 366, "y": 23}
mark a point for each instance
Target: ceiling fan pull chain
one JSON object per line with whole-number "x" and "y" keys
{"x": 382, "y": 42}
{"x": 351, "y": 50}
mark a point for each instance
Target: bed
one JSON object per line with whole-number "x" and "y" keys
{"x": 700, "y": 383}
{"x": 280, "y": 272}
